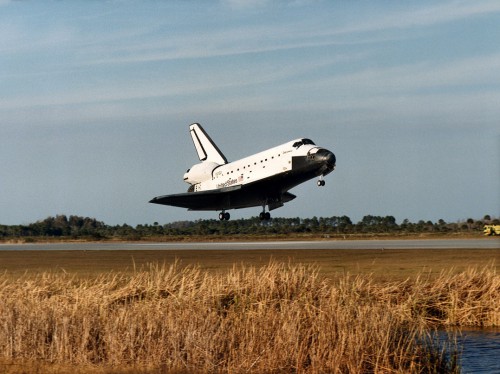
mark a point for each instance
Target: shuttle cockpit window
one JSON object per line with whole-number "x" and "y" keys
{"x": 302, "y": 142}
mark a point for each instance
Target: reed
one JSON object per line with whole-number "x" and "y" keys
{"x": 465, "y": 299}
{"x": 276, "y": 318}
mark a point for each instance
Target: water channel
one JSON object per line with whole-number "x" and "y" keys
{"x": 480, "y": 350}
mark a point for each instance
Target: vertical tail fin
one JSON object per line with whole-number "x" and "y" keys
{"x": 205, "y": 147}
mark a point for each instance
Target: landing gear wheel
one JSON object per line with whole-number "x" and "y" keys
{"x": 224, "y": 216}
{"x": 321, "y": 183}
{"x": 265, "y": 216}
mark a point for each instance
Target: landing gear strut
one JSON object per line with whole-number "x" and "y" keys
{"x": 224, "y": 216}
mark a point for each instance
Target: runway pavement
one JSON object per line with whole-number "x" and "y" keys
{"x": 480, "y": 243}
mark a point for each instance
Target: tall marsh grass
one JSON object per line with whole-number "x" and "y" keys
{"x": 277, "y": 318}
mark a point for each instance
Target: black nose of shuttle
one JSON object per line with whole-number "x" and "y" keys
{"x": 326, "y": 157}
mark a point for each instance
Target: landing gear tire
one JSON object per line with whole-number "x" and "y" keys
{"x": 265, "y": 216}
{"x": 321, "y": 183}
{"x": 224, "y": 216}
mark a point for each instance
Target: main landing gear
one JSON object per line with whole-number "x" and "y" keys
{"x": 265, "y": 216}
{"x": 224, "y": 216}
{"x": 321, "y": 182}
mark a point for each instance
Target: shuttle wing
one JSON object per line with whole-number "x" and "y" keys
{"x": 202, "y": 200}
{"x": 234, "y": 197}
{"x": 205, "y": 147}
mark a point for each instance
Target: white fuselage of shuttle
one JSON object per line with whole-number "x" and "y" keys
{"x": 210, "y": 175}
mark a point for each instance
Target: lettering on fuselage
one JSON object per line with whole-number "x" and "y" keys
{"x": 227, "y": 183}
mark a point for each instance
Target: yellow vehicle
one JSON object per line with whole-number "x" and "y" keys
{"x": 491, "y": 230}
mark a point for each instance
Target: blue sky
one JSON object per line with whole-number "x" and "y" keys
{"x": 96, "y": 99}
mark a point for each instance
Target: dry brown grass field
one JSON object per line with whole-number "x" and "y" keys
{"x": 226, "y": 311}
{"x": 388, "y": 264}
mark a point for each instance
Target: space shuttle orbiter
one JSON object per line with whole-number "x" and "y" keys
{"x": 262, "y": 179}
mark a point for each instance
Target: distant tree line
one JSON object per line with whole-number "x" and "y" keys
{"x": 76, "y": 227}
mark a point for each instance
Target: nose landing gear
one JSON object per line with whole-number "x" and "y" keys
{"x": 321, "y": 182}
{"x": 224, "y": 216}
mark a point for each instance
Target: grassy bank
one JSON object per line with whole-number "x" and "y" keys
{"x": 280, "y": 317}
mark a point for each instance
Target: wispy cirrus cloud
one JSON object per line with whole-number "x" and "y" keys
{"x": 319, "y": 31}
{"x": 478, "y": 71}
{"x": 155, "y": 41}
{"x": 207, "y": 81}
{"x": 417, "y": 16}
